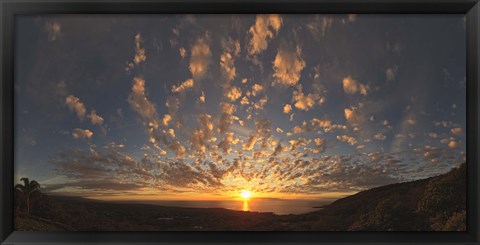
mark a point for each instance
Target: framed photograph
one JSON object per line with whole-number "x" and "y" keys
{"x": 292, "y": 122}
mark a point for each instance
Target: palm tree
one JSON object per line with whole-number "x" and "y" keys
{"x": 27, "y": 189}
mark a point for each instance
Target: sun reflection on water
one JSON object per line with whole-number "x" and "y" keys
{"x": 245, "y": 206}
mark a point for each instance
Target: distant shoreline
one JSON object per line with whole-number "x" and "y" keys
{"x": 264, "y": 205}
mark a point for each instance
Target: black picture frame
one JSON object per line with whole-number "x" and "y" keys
{"x": 11, "y": 8}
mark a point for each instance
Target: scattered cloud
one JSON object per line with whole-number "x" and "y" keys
{"x": 390, "y": 73}
{"x": 320, "y": 26}
{"x": 95, "y": 119}
{"x": 305, "y": 102}
{"x": 234, "y": 93}
{"x": 456, "y": 131}
{"x": 352, "y": 116}
{"x": 183, "y": 53}
{"x": 345, "y": 138}
{"x": 199, "y": 58}
{"x": 453, "y": 144}
{"x": 287, "y": 66}
{"x": 380, "y": 136}
{"x": 264, "y": 29}
{"x": 82, "y": 133}
{"x": 74, "y": 104}
{"x": 140, "y": 103}
{"x": 256, "y": 89}
{"x": 183, "y": 86}
{"x": 351, "y": 86}
{"x": 287, "y": 108}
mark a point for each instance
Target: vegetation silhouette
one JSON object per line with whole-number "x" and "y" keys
{"x": 27, "y": 189}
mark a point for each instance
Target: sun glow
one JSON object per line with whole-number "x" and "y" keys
{"x": 245, "y": 194}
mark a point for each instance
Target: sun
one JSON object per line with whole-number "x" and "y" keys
{"x": 245, "y": 194}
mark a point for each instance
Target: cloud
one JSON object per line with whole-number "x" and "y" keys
{"x": 226, "y": 112}
{"x": 390, "y": 73}
{"x": 245, "y": 101}
{"x": 303, "y": 102}
{"x": 287, "y": 66}
{"x": 248, "y": 146}
{"x": 112, "y": 169}
{"x": 264, "y": 29}
{"x": 199, "y": 58}
{"x": 453, "y": 144}
{"x": 319, "y": 141}
{"x": 234, "y": 93}
{"x": 183, "y": 53}
{"x": 352, "y": 115}
{"x": 456, "y": 131}
{"x": 95, "y": 119}
{"x": 380, "y": 136}
{"x": 278, "y": 150}
{"x": 345, "y": 138}
{"x": 166, "y": 120}
{"x": 82, "y": 133}
{"x": 227, "y": 60}
{"x": 140, "y": 103}
{"x": 287, "y": 108}
{"x": 260, "y": 103}
{"x": 183, "y": 86}
{"x": 228, "y": 67}
{"x": 147, "y": 110}
{"x": 140, "y": 55}
{"x": 54, "y": 30}
{"x": 326, "y": 125}
{"x": 74, "y": 104}
{"x": 319, "y": 27}
{"x": 202, "y": 97}
{"x": 225, "y": 144}
{"x": 351, "y": 86}
{"x": 256, "y": 89}
{"x": 294, "y": 144}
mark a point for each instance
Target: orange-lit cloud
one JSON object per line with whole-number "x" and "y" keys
{"x": 74, "y": 104}
{"x": 139, "y": 101}
{"x": 199, "y": 58}
{"x": 183, "y": 86}
{"x": 264, "y": 29}
{"x": 287, "y": 66}
{"x": 352, "y": 115}
{"x": 302, "y": 101}
{"x": 351, "y": 86}
{"x": 345, "y": 138}
{"x": 234, "y": 93}
{"x": 82, "y": 133}
{"x": 456, "y": 131}
{"x": 256, "y": 89}
{"x": 95, "y": 119}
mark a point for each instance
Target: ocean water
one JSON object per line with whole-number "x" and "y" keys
{"x": 277, "y": 206}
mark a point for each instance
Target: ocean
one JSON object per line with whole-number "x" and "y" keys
{"x": 277, "y": 206}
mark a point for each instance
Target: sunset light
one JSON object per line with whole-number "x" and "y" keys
{"x": 181, "y": 122}
{"x": 245, "y": 194}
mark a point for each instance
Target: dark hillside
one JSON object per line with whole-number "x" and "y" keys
{"x": 437, "y": 203}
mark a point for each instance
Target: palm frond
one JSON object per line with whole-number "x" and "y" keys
{"x": 26, "y": 181}
{"x": 20, "y": 187}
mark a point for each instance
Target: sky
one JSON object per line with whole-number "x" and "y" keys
{"x": 200, "y": 107}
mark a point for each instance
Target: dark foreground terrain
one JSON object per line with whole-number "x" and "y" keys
{"x": 437, "y": 203}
